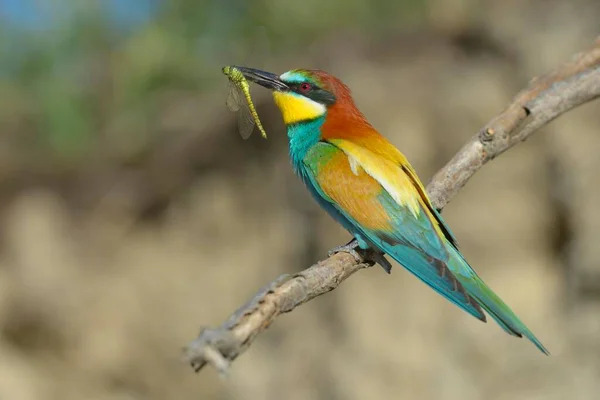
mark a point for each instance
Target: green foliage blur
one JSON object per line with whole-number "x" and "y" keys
{"x": 89, "y": 86}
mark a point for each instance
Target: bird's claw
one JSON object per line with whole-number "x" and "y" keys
{"x": 370, "y": 255}
{"x": 349, "y": 248}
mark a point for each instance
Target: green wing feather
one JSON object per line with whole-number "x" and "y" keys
{"x": 419, "y": 241}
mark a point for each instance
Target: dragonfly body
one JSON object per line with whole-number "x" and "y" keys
{"x": 240, "y": 101}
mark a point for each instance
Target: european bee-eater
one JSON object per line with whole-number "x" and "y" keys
{"x": 367, "y": 185}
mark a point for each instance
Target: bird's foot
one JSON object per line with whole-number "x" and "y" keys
{"x": 371, "y": 255}
{"x": 351, "y": 248}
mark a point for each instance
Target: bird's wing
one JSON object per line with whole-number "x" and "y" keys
{"x": 377, "y": 200}
{"x": 411, "y": 220}
{"x": 379, "y": 146}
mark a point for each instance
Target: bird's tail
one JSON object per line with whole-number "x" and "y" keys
{"x": 488, "y": 300}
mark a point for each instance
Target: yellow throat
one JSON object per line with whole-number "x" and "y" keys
{"x": 295, "y": 108}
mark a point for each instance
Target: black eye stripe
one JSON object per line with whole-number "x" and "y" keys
{"x": 314, "y": 93}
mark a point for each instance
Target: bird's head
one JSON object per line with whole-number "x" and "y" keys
{"x": 302, "y": 95}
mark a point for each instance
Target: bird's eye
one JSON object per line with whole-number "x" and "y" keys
{"x": 305, "y": 87}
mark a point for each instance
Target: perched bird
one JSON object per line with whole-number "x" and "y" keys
{"x": 369, "y": 187}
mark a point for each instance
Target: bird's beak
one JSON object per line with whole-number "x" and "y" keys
{"x": 263, "y": 78}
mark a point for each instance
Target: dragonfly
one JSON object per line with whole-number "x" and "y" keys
{"x": 240, "y": 101}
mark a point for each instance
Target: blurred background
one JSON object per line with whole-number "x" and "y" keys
{"x": 132, "y": 213}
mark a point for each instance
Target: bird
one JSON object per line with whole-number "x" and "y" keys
{"x": 369, "y": 187}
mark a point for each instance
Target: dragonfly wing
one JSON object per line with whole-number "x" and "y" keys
{"x": 233, "y": 98}
{"x": 236, "y": 102}
{"x": 245, "y": 120}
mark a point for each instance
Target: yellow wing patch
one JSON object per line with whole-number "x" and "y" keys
{"x": 387, "y": 173}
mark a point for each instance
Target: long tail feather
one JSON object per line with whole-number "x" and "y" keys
{"x": 490, "y": 301}
{"x": 433, "y": 275}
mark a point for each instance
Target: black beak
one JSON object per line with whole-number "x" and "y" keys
{"x": 263, "y": 78}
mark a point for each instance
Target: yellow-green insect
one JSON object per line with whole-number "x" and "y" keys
{"x": 239, "y": 90}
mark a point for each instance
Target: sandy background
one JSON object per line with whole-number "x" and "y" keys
{"x": 117, "y": 245}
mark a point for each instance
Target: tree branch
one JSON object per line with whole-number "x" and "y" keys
{"x": 546, "y": 97}
{"x": 572, "y": 84}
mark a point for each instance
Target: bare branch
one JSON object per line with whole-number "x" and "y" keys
{"x": 572, "y": 84}
{"x": 280, "y": 296}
